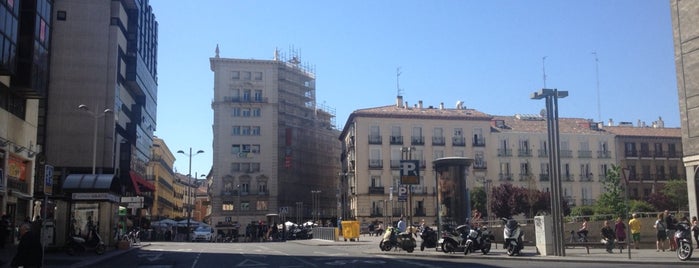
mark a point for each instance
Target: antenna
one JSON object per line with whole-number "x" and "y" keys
{"x": 398, "y": 90}
{"x": 599, "y": 113}
{"x": 543, "y": 67}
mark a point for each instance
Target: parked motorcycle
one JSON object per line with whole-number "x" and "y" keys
{"x": 478, "y": 239}
{"x": 513, "y": 236}
{"x": 392, "y": 238}
{"x": 429, "y": 238}
{"x": 78, "y": 243}
{"x": 683, "y": 237}
{"x": 453, "y": 239}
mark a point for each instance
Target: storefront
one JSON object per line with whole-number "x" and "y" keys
{"x": 93, "y": 202}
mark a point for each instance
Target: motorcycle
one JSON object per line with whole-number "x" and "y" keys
{"x": 683, "y": 236}
{"x": 429, "y": 238}
{"x": 392, "y": 238}
{"x": 513, "y": 236}
{"x": 453, "y": 239}
{"x": 478, "y": 239}
{"x": 78, "y": 243}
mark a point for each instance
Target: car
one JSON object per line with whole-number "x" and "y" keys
{"x": 202, "y": 233}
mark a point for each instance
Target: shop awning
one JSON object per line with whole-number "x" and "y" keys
{"x": 139, "y": 184}
{"x": 88, "y": 182}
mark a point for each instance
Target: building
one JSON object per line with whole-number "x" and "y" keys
{"x": 375, "y": 140}
{"x": 101, "y": 109}
{"x": 24, "y": 53}
{"x": 652, "y": 154}
{"x": 505, "y": 150}
{"x": 275, "y": 149}
{"x": 685, "y": 33}
{"x": 166, "y": 205}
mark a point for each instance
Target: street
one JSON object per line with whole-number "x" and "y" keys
{"x": 302, "y": 254}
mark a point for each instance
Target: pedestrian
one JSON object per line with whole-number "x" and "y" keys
{"x": 670, "y": 230}
{"x": 29, "y": 250}
{"x": 620, "y": 232}
{"x": 371, "y": 228}
{"x": 379, "y": 231}
{"x": 660, "y": 233}
{"x": 582, "y": 232}
{"x": 695, "y": 230}
{"x": 5, "y": 228}
{"x": 401, "y": 225}
{"x": 608, "y": 235}
{"x": 635, "y": 226}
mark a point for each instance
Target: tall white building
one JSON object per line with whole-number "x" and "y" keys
{"x": 275, "y": 150}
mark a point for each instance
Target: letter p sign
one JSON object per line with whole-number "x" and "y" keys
{"x": 409, "y": 172}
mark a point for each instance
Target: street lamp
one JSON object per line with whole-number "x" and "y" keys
{"x": 551, "y": 96}
{"x": 625, "y": 175}
{"x": 189, "y": 186}
{"x": 96, "y": 116}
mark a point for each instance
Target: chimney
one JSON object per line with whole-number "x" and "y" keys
{"x": 406, "y": 105}
{"x": 419, "y": 104}
{"x": 441, "y": 105}
{"x": 611, "y": 123}
{"x": 399, "y": 101}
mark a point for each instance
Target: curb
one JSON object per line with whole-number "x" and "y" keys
{"x": 103, "y": 257}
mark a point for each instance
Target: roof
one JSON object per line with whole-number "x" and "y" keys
{"x": 393, "y": 111}
{"x": 538, "y": 124}
{"x": 644, "y": 131}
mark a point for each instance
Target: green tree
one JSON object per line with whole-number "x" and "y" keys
{"x": 641, "y": 206}
{"x": 479, "y": 200}
{"x": 611, "y": 201}
{"x": 676, "y": 191}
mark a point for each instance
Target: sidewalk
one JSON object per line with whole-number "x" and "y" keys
{"x": 56, "y": 258}
{"x": 577, "y": 254}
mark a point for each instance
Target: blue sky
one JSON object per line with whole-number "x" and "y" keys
{"x": 489, "y": 54}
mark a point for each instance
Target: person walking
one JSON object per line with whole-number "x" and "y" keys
{"x": 582, "y": 232}
{"x": 635, "y": 226}
{"x": 620, "y": 232}
{"x": 660, "y": 233}
{"x": 670, "y": 230}
{"x": 607, "y": 233}
{"x": 401, "y": 225}
{"x": 695, "y": 230}
{"x": 29, "y": 250}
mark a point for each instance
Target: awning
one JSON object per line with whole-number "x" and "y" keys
{"x": 88, "y": 182}
{"x": 139, "y": 184}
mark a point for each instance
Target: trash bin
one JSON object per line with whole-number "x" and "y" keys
{"x": 350, "y": 230}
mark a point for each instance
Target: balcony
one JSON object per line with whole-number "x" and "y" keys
{"x": 584, "y": 154}
{"x": 438, "y": 141}
{"x": 630, "y": 153}
{"x": 543, "y": 153}
{"x": 417, "y": 140}
{"x": 604, "y": 154}
{"x": 567, "y": 177}
{"x": 244, "y": 99}
{"x": 566, "y": 153}
{"x": 645, "y": 153}
{"x": 458, "y": 141}
{"x": 375, "y": 163}
{"x": 374, "y": 139}
{"x": 480, "y": 164}
{"x": 588, "y": 177}
{"x": 505, "y": 176}
{"x": 396, "y": 140}
{"x": 525, "y": 152}
{"x": 504, "y": 152}
{"x": 376, "y": 190}
{"x": 674, "y": 154}
{"x": 544, "y": 177}
{"x": 478, "y": 141}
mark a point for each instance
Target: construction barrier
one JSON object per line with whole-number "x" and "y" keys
{"x": 350, "y": 230}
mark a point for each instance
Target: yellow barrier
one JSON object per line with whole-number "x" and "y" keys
{"x": 350, "y": 230}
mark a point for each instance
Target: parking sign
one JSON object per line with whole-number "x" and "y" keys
{"x": 410, "y": 172}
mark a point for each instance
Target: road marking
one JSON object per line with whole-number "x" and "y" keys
{"x": 250, "y": 263}
{"x": 151, "y": 256}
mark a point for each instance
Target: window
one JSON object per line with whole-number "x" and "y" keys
{"x": 236, "y": 131}
{"x": 262, "y": 187}
{"x": 227, "y": 206}
{"x": 261, "y": 205}
{"x": 395, "y": 131}
{"x": 458, "y": 132}
{"x": 61, "y": 15}
{"x": 258, "y": 95}
{"x": 236, "y": 112}
{"x": 375, "y": 181}
{"x": 438, "y": 132}
{"x": 246, "y": 112}
{"x": 245, "y": 130}
{"x": 245, "y": 206}
{"x": 235, "y": 75}
{"x": 246, "y": 75}
{"x": 374, "y": 131}
{"x": 258, "y": 76}
{"x": 255, "y": 131}
{"x": 438, "y": 154}
{"x": 235, "y": 167}
{"x": 247, "y": 94}
{"x": 256, "y": 112}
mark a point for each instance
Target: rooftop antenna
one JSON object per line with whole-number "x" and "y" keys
{"x": 599, "y": 113}
{"x": 398, "y": 90}
{"x": 543, "y": 67}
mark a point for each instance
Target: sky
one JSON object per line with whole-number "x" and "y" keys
{"x": 615, "y": 58}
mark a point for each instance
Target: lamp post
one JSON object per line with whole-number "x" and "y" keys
{"x": 625, "y": 176}
{"x": 315, "y": 198}
{"x": 189, "y": 186}
{"x": 96, "y": 116}
{"x": 551, "y": 96}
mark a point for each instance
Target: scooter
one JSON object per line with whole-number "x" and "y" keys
{"x": 683, "y": 236}
{"x": 392, "y": 238}
{"x": 478, "y": 239}
{"x": 513, "y": 236}
{"x": 78, "y": 243}
{"x": 429, "y": 238}
{"x": 453, "y": 239}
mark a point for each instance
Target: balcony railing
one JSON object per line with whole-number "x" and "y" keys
{"x": 374, "y": 139}
{"x": 458, "y": 141}
{"x": 542, "y": 153}
{"x": 396, "y": 140}
{"x": 567, "y": 153}
{"x": 525, "y": 152}
{"x": 417, "y": 140}
{"x": 376, "y": 190}
{"x": 567, "y": 177}
{"x": 544, "y": 177}
{"x": 478, "y": 141}
{"x": 438, "y": 141}
{"x": 505, "y": 176}
{"x": 586, "y": 177}
{"x": 244, "y": 99}
{"x": 645, "y": 153}
{"x": 480, "y": 164}
{"x": 630, "y": 153}
{"x": 604, "y": 154}
{"x": 504, "y": 152}
{"x": 375, "y": 163}
{"x": 584, "y": 154}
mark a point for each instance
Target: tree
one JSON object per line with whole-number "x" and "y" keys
{"x": 479, "y": 200}
{"x": 501, "y": 205}
{"x": 611, "y": 201}
{"x": 641, "y": 206}
{"x": 659, "y": 200}
{"x": 676, "y": 192}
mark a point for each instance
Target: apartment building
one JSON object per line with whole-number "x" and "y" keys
{"x": 685, "y": 33}
{"x": 275, "y": 149}
{"x": 166, "y": 205}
